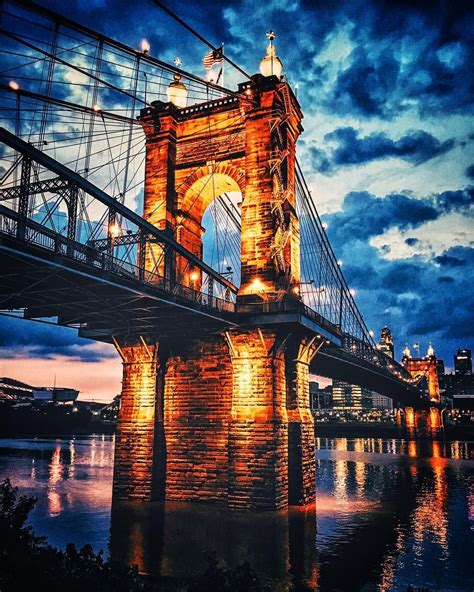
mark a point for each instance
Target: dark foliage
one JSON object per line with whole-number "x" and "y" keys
{"x": 29, "y": 564}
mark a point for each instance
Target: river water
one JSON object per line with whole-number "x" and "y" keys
{"x": 389, "y": 513}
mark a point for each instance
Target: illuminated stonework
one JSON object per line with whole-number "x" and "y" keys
{"x": 138, "y": 444}
{"x": 246, "y": 145}
{"x": 223, "y": 418}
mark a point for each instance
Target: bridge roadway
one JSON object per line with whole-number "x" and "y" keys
{"x": 103, "y": 299}
{"x": 48, "y": 275}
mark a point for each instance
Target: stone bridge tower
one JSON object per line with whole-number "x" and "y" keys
{"x": 222, "y": 417}
{"x": 427, "y": 367}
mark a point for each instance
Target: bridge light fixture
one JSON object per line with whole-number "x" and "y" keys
{"x": 194, "y": 276}
{"x": 177, "y": 91}
{"x": 296, "y": 290}
{"x": 257, "y": 284}
{"x": 340, "y": 262}
{"x": 353, "y": 292}
{"x": 96, "y": 108}
{"x": 14, "y": 85}
{"x": 145, "y": 46}
{"x": 114, "y": 230}
{"x": 325, "y": 225}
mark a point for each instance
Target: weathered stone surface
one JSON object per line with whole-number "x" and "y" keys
{"x": 224, "y": 418}
{"x": 138, "y": 445}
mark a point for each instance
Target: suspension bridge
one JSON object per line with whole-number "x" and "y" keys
{"x": 217, "y": 331}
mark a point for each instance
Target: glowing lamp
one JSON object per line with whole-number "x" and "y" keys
{"x": 257, "y": 285}
{"x": 194, "y": 276}
{"x": 352, "y": 291}
{"x": 114, "y": 230}
{"x": 296, "y": 290}
{"x": 177, "y": 92}
{"x": 14, "y": 85}
{"x": 339, "y": 262}
{"x": 145, "y": 46}
{"x": 96, "y": 108}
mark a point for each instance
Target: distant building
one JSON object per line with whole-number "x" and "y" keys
{"x": 11, "y": 389}
{"x": 55, "y": 394}
{"x": 350, "y": 397}
{"x": 463, "y": 362}
{"x": 313, "y": 395}
{"x": 320, "y": 398}
{"x": 440, "y": 369}
{"x": 460, "y": 390}
{"x": 386, "y": 343}
{"x": 381, "y": 402}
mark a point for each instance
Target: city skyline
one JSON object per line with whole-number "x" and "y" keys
{"x": 387, "y": 149}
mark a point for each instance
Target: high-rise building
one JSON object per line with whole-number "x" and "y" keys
{"x": 386, "y": 343}
{"x": 350, "y": 397}
{"x": 320, "y": 398}
{"x": 440, "y": 369}
{"x": 381, "y": 402}
{"x": 313, "y": 395}
{"x": 463, "y": 362}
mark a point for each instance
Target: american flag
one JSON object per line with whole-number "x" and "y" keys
{"x": 215, "y": 56}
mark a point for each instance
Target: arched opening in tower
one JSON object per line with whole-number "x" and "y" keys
{"x": 221, "y": 240}
{"x": 209, "y": 226}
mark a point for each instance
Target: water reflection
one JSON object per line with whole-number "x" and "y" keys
{"x": 389, "y": 513}
{"x": 175, "y": 540}
{"x": 417, "y": 503}
{"x": 416, "y": 448}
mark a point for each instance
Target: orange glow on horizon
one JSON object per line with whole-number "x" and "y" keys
{"x": 95, "y": 380}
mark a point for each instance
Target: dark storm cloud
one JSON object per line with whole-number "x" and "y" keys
{"x": 364, "y": 215}
{"x": 407, "y": 56}
{"x": 449, "y": 261}
{"x": 416, "y": 297}
{"x": 45, "y": 342}
{"x": 365, "y": 87}
{"x": 416, "y": 146}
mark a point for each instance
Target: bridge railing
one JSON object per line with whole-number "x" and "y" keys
{"x": 289, "y": 305}
{"x": 37, "y": 235}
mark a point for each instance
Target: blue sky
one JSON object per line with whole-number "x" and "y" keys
{"x": 386, "y": 90}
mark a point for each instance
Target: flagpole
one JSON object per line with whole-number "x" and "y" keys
{"x": 223, "y": 62}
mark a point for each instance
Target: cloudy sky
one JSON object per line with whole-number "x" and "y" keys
{"x": 386, "y": 90}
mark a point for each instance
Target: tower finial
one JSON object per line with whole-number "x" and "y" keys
{"x": 271, "y": 64}
{"x": 177, "y": 91}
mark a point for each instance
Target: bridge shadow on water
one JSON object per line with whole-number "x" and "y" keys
{"x": 176, "y": 541}
{"x": 371, "y": 521}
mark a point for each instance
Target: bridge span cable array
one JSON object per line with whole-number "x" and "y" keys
{"x": 55, "y": 59}
{"x": 198, "y": 35}
{"x": 74, "y": 93}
